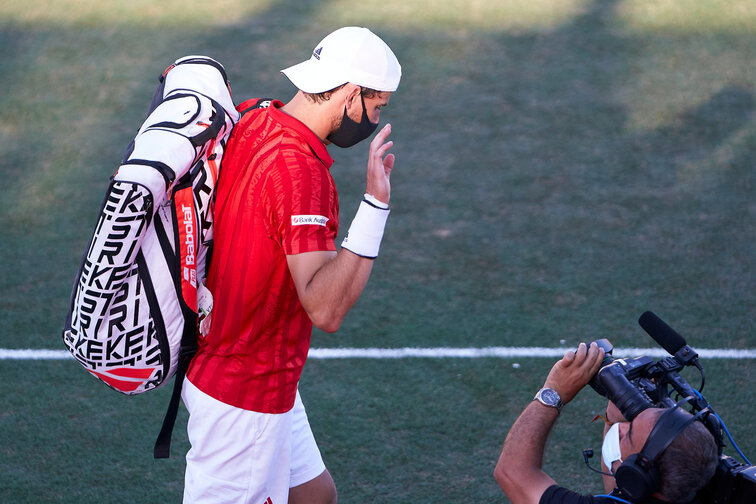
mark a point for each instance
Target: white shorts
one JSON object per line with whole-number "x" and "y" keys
{"x": 242, "y": 456}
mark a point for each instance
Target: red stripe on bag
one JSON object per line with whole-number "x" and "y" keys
{"x": 142, "y": 373}
{"x": 171, "y": 67}
{"x": 187, "y": 234}
{"x": 122, "y": 385}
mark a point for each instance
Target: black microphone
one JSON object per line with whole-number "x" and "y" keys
{"x": 667, "y": 338}
{"x": 588, "y": 453}
{"x": 661, "y": 332}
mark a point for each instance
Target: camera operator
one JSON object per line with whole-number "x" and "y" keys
{"x": 685, "y": 466}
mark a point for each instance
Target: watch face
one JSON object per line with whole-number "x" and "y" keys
{"x": 550, "y": 397}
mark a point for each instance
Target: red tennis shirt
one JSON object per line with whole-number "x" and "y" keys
{"x": 275, "y": 196}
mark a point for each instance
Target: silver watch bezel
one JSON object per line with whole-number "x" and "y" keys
{"x": 546, "y": 397}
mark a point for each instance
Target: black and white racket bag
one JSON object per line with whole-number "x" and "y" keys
{"x": 134, "y": 308}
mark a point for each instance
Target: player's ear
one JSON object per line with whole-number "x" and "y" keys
{"x": 352, "y": 94}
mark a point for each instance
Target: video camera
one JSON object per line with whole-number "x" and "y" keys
{"x": 639, "y": 383}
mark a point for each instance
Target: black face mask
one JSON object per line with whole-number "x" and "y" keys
{"x": 350, "y": 132}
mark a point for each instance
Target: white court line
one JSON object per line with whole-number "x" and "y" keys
{"x": 504, "y": 352}
{"x": 433, "y": 353}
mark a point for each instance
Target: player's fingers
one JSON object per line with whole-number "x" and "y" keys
{"x": 381, "y": 137}
{"x": 388, "y": 163}
{"x": 379, "y": 141}
{"x": 382, "y": 150}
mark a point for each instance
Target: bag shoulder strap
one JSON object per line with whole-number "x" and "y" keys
{"x": 185, "y": 264}
{"x": 187, "y": 350}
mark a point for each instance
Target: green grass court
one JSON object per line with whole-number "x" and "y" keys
{"x": 562, "y": 166}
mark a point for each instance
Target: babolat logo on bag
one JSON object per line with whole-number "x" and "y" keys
{"x": 132, "y": 321}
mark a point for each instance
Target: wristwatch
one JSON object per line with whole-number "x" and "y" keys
{"x": 549, "y": 397}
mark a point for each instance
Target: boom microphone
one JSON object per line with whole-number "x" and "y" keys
{"x": 667, "y": 337}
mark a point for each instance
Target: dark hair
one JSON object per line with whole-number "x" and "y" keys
{"x": 688, "y": 463}
{"x": 326, "y": 95}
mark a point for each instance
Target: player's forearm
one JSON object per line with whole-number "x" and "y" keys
{"x": 339, "y": 283}
{"x": 335, "y": 288}
{"x": 328, "y": 283}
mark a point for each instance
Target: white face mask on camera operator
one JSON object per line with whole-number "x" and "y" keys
{"x": 610, "y": 450}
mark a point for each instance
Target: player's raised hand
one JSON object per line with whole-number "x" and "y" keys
{"x": 380, "y": 164}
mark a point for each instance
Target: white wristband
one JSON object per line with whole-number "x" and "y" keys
{"x": 365, "y": 233}
{"x": 375, "y": 201}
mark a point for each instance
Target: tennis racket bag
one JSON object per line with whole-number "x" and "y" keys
{"x": 134, "y": 307}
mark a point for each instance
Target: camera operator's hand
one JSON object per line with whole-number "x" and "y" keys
{"x": 573, "y": 372}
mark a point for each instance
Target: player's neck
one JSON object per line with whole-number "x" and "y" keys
{"x": 316, "y": 116}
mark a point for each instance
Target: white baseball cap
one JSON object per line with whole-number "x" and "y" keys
{"x": 349, "y": 54}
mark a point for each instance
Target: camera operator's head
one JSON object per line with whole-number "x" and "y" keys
{"x": 665, "y": 453}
